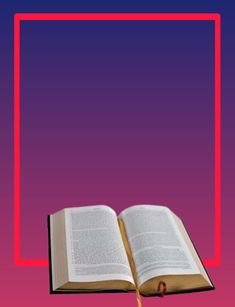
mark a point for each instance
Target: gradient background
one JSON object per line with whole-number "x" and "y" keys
{"x": 115, "y": 112}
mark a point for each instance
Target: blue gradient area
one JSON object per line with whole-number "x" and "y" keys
{"x": 117, "y": 113}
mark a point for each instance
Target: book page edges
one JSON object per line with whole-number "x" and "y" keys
{"x": 192, "y": 249}
{"x": 59, "y": 261}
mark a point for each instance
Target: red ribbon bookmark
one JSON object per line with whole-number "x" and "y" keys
{"x": 162, "y": 285}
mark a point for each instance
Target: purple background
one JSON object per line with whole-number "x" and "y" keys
{"x": 117, "y": 113}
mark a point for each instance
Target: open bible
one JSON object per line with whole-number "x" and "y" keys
{"x": 146, "y": 249}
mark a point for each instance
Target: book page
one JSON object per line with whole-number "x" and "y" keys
{"x": 94, "y": 245}
{"x": 156, "y": 243}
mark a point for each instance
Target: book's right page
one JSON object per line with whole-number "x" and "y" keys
{"x": 160, "y": 251}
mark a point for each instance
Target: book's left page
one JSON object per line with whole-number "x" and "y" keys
{"x": 95, "y": 255}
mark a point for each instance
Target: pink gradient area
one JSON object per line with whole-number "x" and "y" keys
{"x": 20, "y": 285}
{"x": 23, "y": 286}
{"x": 119, "y": 188}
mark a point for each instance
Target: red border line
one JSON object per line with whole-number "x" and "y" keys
{"x": 117, "y": 16}
{"x": 218, "y": 140}
{"x": 128, "y": 17}
{"x": 16, "y": 141}
{"x": 17, "y": 260}
{"x": 217, "y": 147}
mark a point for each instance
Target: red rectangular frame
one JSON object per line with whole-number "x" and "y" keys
{"x": 18, "y": 17}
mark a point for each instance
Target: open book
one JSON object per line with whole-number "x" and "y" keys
{"x": 146, "y": 249}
